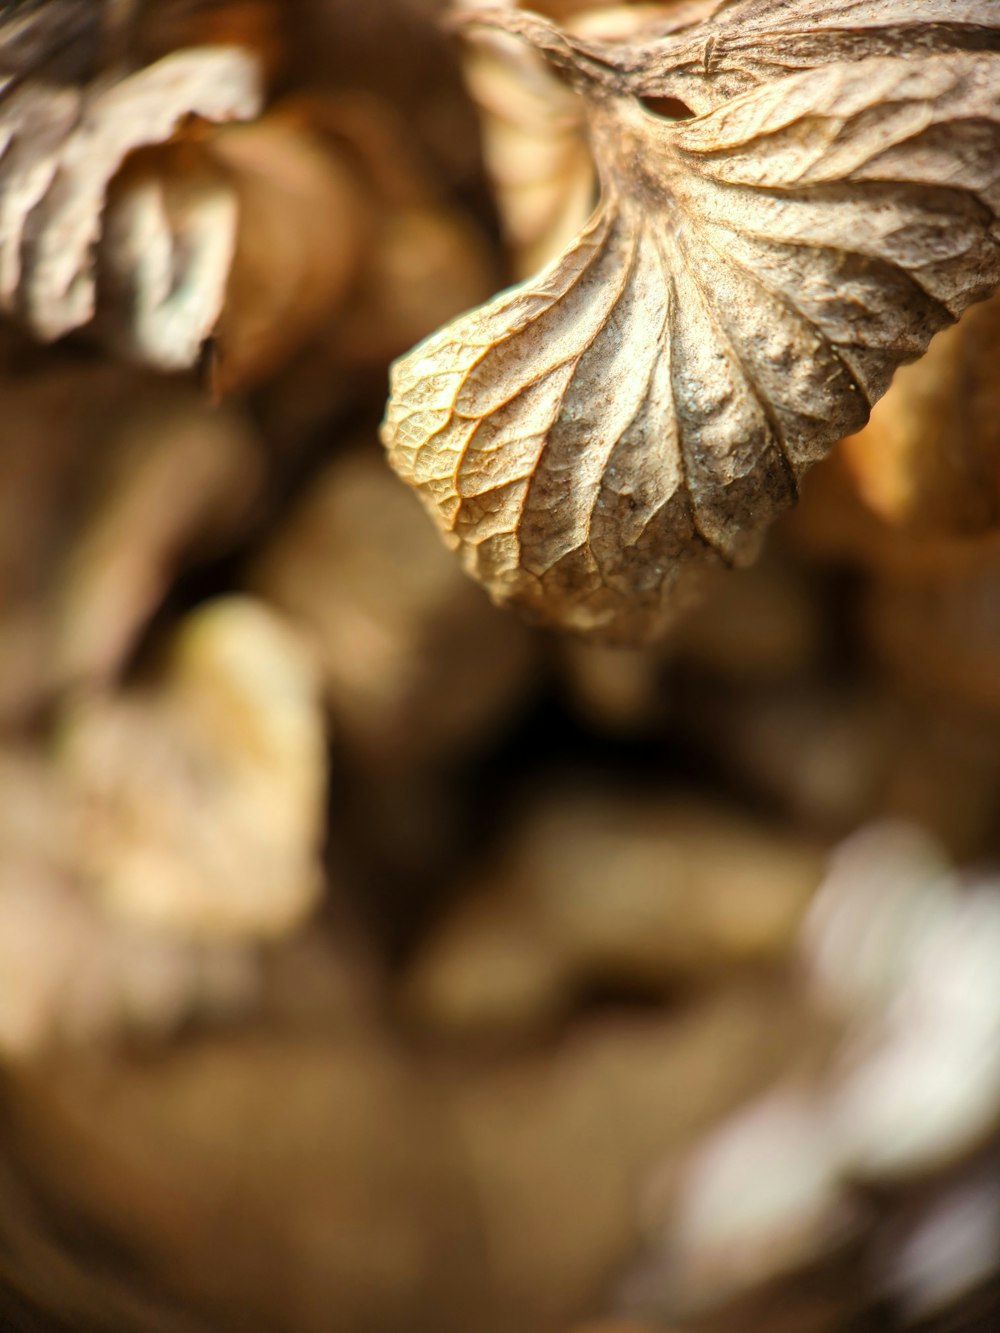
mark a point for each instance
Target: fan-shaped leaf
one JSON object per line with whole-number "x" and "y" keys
{"x": 595, "y": 438}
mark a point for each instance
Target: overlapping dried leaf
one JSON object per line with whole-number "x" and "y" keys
{"x": 60, "y": 146}
{"x": 123, "y": 208}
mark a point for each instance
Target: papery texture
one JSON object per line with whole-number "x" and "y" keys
{"x": 596, "y": 438}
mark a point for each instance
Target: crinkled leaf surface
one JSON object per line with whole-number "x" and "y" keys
{"x": 596, "y": 438}
{"x": 65, "y": 132}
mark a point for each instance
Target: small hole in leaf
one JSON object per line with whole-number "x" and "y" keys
{"x": 667, "y": 108}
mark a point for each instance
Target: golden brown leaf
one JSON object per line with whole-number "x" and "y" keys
{"x": 416, "y": 662}
{"x": 112, "y": 483}
{"x": 303, "y": 220}
{"x": 534, "y": 130}
{"x": 167, "y": 245}
{"x": 596, "y": 438}
{"x": 955, "y": 591}
{"x": 71, "y": 972}
{"x": 175, "y": 483}
{"x": 355, "y": 1194}
{"x": 202, "y": 795}
{"x": 596, "y": 887}
{"x": 252, "y": 236}
{"x": 928, "y": 462}
{"x": 535, "y": 148}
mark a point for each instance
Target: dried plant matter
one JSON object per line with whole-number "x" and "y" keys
{"x": 232, "y": 1152}
{"x": 71, "y": 972}
{"x": 109, "y": 485}
{"x": 902, "y": 955}
{"x": 60, "y": 148}
{"x": 597, "y": 437}
{"x": 535, "y": 148}
{"x": 299, "y": 243}
{"x": 415, "y": 660}
{"x": 364, "y": 951}
{"x": 929, "y": 460}
{"x": 600, "y": 887}
{"x": 176, "y": 481}
{"x": 202, "y": 796}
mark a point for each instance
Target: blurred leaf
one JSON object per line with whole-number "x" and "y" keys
{"x": 202, "y": 796}
{"x": 929, "y": 460}
{"x": 61, "y": 148}
{"x": 304, "y": 221}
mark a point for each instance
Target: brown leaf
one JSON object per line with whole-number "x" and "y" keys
{"x": 955, "y": 592}
{"x": 357, "y": 1196}
{"x": 416, "y": 663}
{"x": 202, "y": 794}
{"x": 535, "y": 148}
{"x": 71, "y": 972}
{"x": 252, "y": 236}
{"x": 61, "y": 41}
{"x": 60, "y": 146}
{"x": 928, "y": 462}
{"x": 596, "y": 438}
{"x": 303, "y": 225}
{"x": 174, "y": 483}
{"x": 698, "y": 889}
{"x": 534, "y": 129}
{"x": 558, "y": 1140}
{"x": 168, "y": 241}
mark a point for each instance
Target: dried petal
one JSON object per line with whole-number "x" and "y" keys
{"x": 596, "y": 438}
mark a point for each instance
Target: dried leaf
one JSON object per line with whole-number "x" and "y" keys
{"x": 165, "y": 255}
{"x": 253, "y": 236}
{"x": 60, "y": 41}
{"x": 534, "y": 146}
{"x": 111, "y": 484}
{"x": 558, "y": 1140}
{"x": 304, "y": 222}
{"x": 908, "y": 1085}
{"x": 928, "y": 463}
{"x": 596, "y": 438}
{"x": 71, "y": 972}
{"x": 426, "y": 263}
{"x": 954, "y": 591}
{"x": 355, "y": 1200}
{"x": 426, "y": 259}
{"x": 534, "y": 129}
{"x": 697, "y": 890}
{"x": 202, "y": 795}
{"x": 61, "y": 146}
{"x": 417, "y": 665}
{"x": 174, "y": 484}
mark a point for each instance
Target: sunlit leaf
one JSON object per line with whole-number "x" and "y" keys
{"x": 596, "y": 438}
